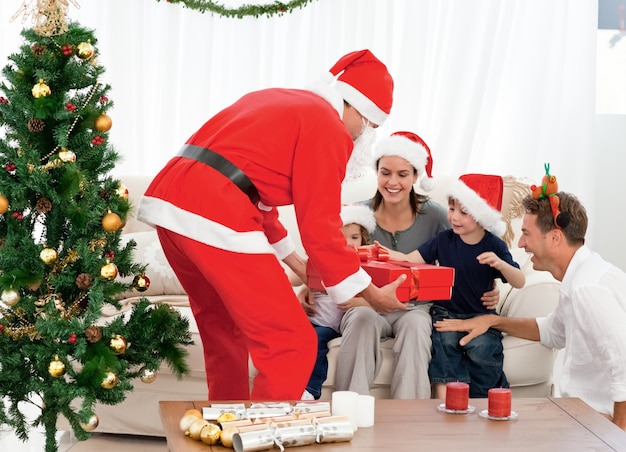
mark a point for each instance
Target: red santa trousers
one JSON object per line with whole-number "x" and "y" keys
{"x": 244, "y": 304}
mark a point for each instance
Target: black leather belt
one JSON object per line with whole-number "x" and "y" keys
{"x": 222, "y": 165}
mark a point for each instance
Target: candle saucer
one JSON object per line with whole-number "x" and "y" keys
{"x": 485, "y": 414}
{"x": 442, "y": 407}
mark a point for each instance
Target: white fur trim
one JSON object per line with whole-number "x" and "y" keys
{"x": 361, "y": 102}
{"x": 359, "y": 214}
{"x": 328, "y": 93}
{"x": 477, "y": 207}
{"x": 412, "y": 152}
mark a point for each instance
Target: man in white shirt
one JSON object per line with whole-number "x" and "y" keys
{"x": 590, "y": 320}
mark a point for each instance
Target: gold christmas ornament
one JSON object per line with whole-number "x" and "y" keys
{"x": 48, "y": 256}
{"x": 67, "y": 156}
{"x": 103, "y": 123}
{"x": 118, "y": 344}
{"x": 10, "y": 297}
{"x": 141, "y": 283}
{"x": 196, "y": 428}
{"x": 40, "y": 90}
{"x": 226, "y": 437}
{"x": 109, "y": 271}
{"x": 56, "y": 368}
{"x": 122, "y": 191}
{"x": 111, "y": 222}
{"x": 4, "y": 204}
{"x": 187, "y": 420}
{"x": 147, "y": 375}
{"x": 225, "y": 417}
{"x": 91, "y": 424}
{"x": 109, "y": 381}
{"x": 210, "y": 434}
{"x": 85, "y": 50}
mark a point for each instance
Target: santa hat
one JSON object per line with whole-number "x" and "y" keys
{"x": 411, "y": 148}
{"x": 359, "y": 214}
{"x": 481, "y": 197}
{"x": 364, "y": 82}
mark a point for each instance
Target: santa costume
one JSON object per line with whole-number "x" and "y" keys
{"x": 214, "y": 208}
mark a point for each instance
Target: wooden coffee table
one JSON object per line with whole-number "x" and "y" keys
{"x": 546, "y": 424}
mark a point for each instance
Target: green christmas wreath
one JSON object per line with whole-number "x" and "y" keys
{"x": 268, "y": 9}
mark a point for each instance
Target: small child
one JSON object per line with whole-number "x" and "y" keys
{"x": 324, "y": 314}
{"x": 474, "y": 248}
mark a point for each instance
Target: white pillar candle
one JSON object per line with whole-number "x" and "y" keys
{"x": 366, "y": 410}
{"x": 346, "y": 403}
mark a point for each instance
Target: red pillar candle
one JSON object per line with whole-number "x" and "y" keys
{"x": 499, "y": 404}
{"x": 457, "y": 396}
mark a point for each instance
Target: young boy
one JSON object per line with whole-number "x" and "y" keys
{"x": 474, "y": 248}
{"x": 358, "y": 224}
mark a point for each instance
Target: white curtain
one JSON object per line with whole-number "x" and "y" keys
{"x": 493, "y": 86}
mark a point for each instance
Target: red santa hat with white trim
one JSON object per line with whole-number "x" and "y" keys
{"x": 364, "y": 82}
{"x": 359, "y": 214}
{"x": 411, "y": 148}
{"x": 480, "y": 195}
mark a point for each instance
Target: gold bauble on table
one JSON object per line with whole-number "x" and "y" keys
{"x": 109, "y": 381}
{"x": 225, "y": 417}
{"x": 111, "y": 222}
{"x": 226, "y": 437}
{"x": 141, "y": 283}
{"x": 210, "y": 434}
{"x": 109, "y": 271}
{"x": 195, "y": 428}
{"x": 118, "y": 344}
{"x": 147, "y": 375}
{"x": 40, "y": 90}
{"x": 103, "y": 123}
{"x": 56, "y": 368}
{"x": 48, "y": 255}
{"x": 84, "y": 50}
{"x": 91, "y": 423}
{"x": 187, "y": 420}
{"x": 10, "y": 297}
{"x": 4, "y": 204}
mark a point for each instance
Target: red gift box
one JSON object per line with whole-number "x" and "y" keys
{"x": 424, "y": 282}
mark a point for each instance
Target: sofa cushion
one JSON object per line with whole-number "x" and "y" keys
{"x": 163, "y": 281}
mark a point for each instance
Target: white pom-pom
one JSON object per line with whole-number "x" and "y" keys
{"x": 427, "y": 183}
{"x": 327, "y": 77}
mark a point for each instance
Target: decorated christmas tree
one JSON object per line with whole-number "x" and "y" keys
{"x": 61, "y": 255}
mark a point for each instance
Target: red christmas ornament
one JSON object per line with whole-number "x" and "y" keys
{"x": 104, "y": 99}
{"x": 70, "y": 106}
{"x": 4, "y": 100}
{"x": 97, "y": 140}
{"x": 72, "y": 338}
{"x": 110, "y": 255}
{"x": 67, "y": 50}
{"x": 10, "y": 167}
{"x": 18, "y": 216}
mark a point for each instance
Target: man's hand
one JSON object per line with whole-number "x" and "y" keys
{"x": 474, "y": 326}
{"x": 384, "y": 299}
{"x": 492, "y": 298}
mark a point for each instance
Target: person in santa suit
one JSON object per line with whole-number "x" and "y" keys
{"x": 214, "y": 209}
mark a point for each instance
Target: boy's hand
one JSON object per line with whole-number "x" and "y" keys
{"x": 490, "y": 258}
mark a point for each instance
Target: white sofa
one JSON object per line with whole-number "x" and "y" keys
{"x": 528, "y": 365}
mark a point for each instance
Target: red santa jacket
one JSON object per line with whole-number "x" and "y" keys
{"x": 294, "y": 147}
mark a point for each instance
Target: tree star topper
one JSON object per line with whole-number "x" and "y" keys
{"x": 49, "y": 17}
